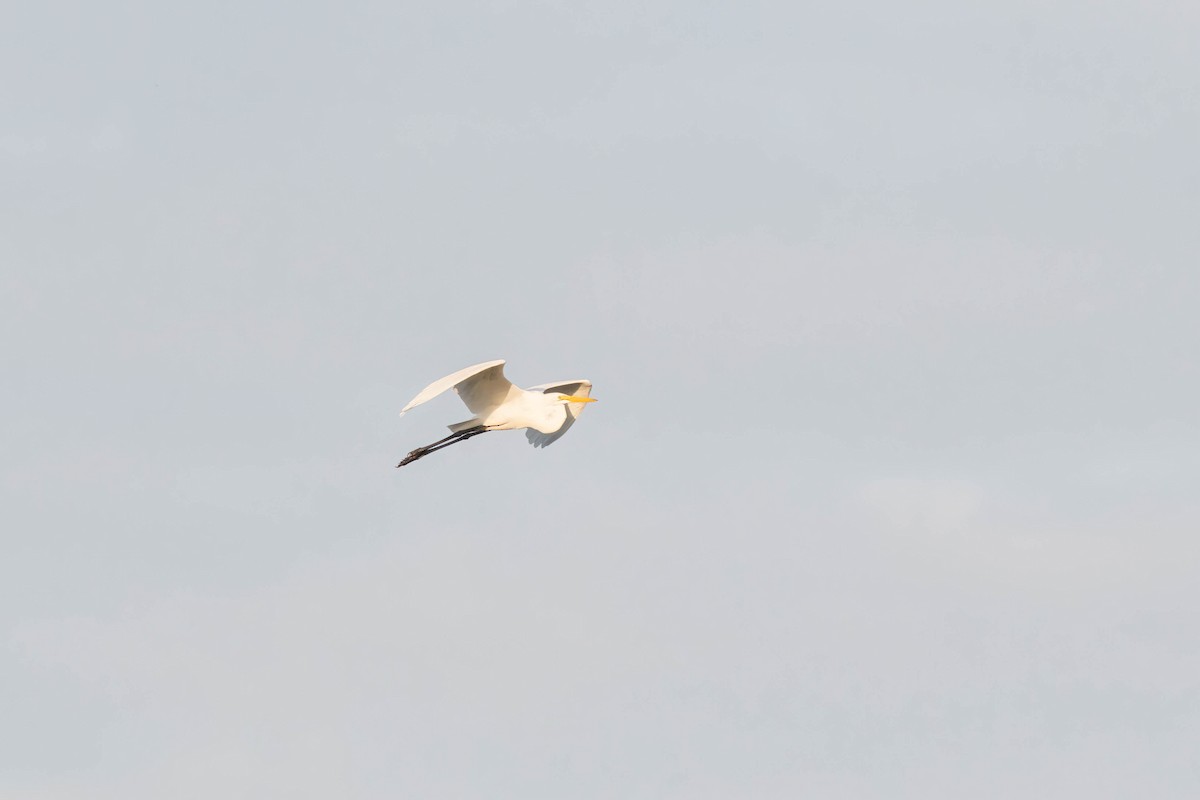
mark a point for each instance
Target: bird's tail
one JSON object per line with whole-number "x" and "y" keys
{"x": 462, "y": 426}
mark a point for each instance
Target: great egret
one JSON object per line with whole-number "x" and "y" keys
{"x": 545, "y": 411}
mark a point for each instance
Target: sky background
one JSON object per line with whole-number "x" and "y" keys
{"x": 891, "y": 309}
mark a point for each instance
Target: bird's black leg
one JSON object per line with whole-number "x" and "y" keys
{"x": 420, "y": 451}
{"x": 462, "y": 438}
{"x": 454, "y": 438}
{"x": 439, "y": 441}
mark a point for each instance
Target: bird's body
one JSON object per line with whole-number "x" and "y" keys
{"x": 545, "y": 411}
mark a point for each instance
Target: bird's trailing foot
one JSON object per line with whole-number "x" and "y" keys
{"x": 454, "y": 438}
{"x": 413, "y": 456}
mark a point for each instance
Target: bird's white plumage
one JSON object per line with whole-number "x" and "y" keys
{"x": 575, "y": 388}
{"x": 486, "y": 390}
{"x": 437, "y": 387}
{"x": 497, "y": 404}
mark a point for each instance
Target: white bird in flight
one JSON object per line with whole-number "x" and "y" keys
{"x": 545, "y": 411}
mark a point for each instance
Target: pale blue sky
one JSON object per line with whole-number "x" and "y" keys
{"x": 890, "y": 491}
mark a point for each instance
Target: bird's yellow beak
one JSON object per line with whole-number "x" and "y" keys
{"x": 570, "y": 398}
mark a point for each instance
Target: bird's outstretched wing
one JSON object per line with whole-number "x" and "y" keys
{"x": 576, "y": 388}
{"x": 480, "y": 387}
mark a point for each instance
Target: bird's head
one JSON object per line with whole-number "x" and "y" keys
{"x": 571, "y": 398}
